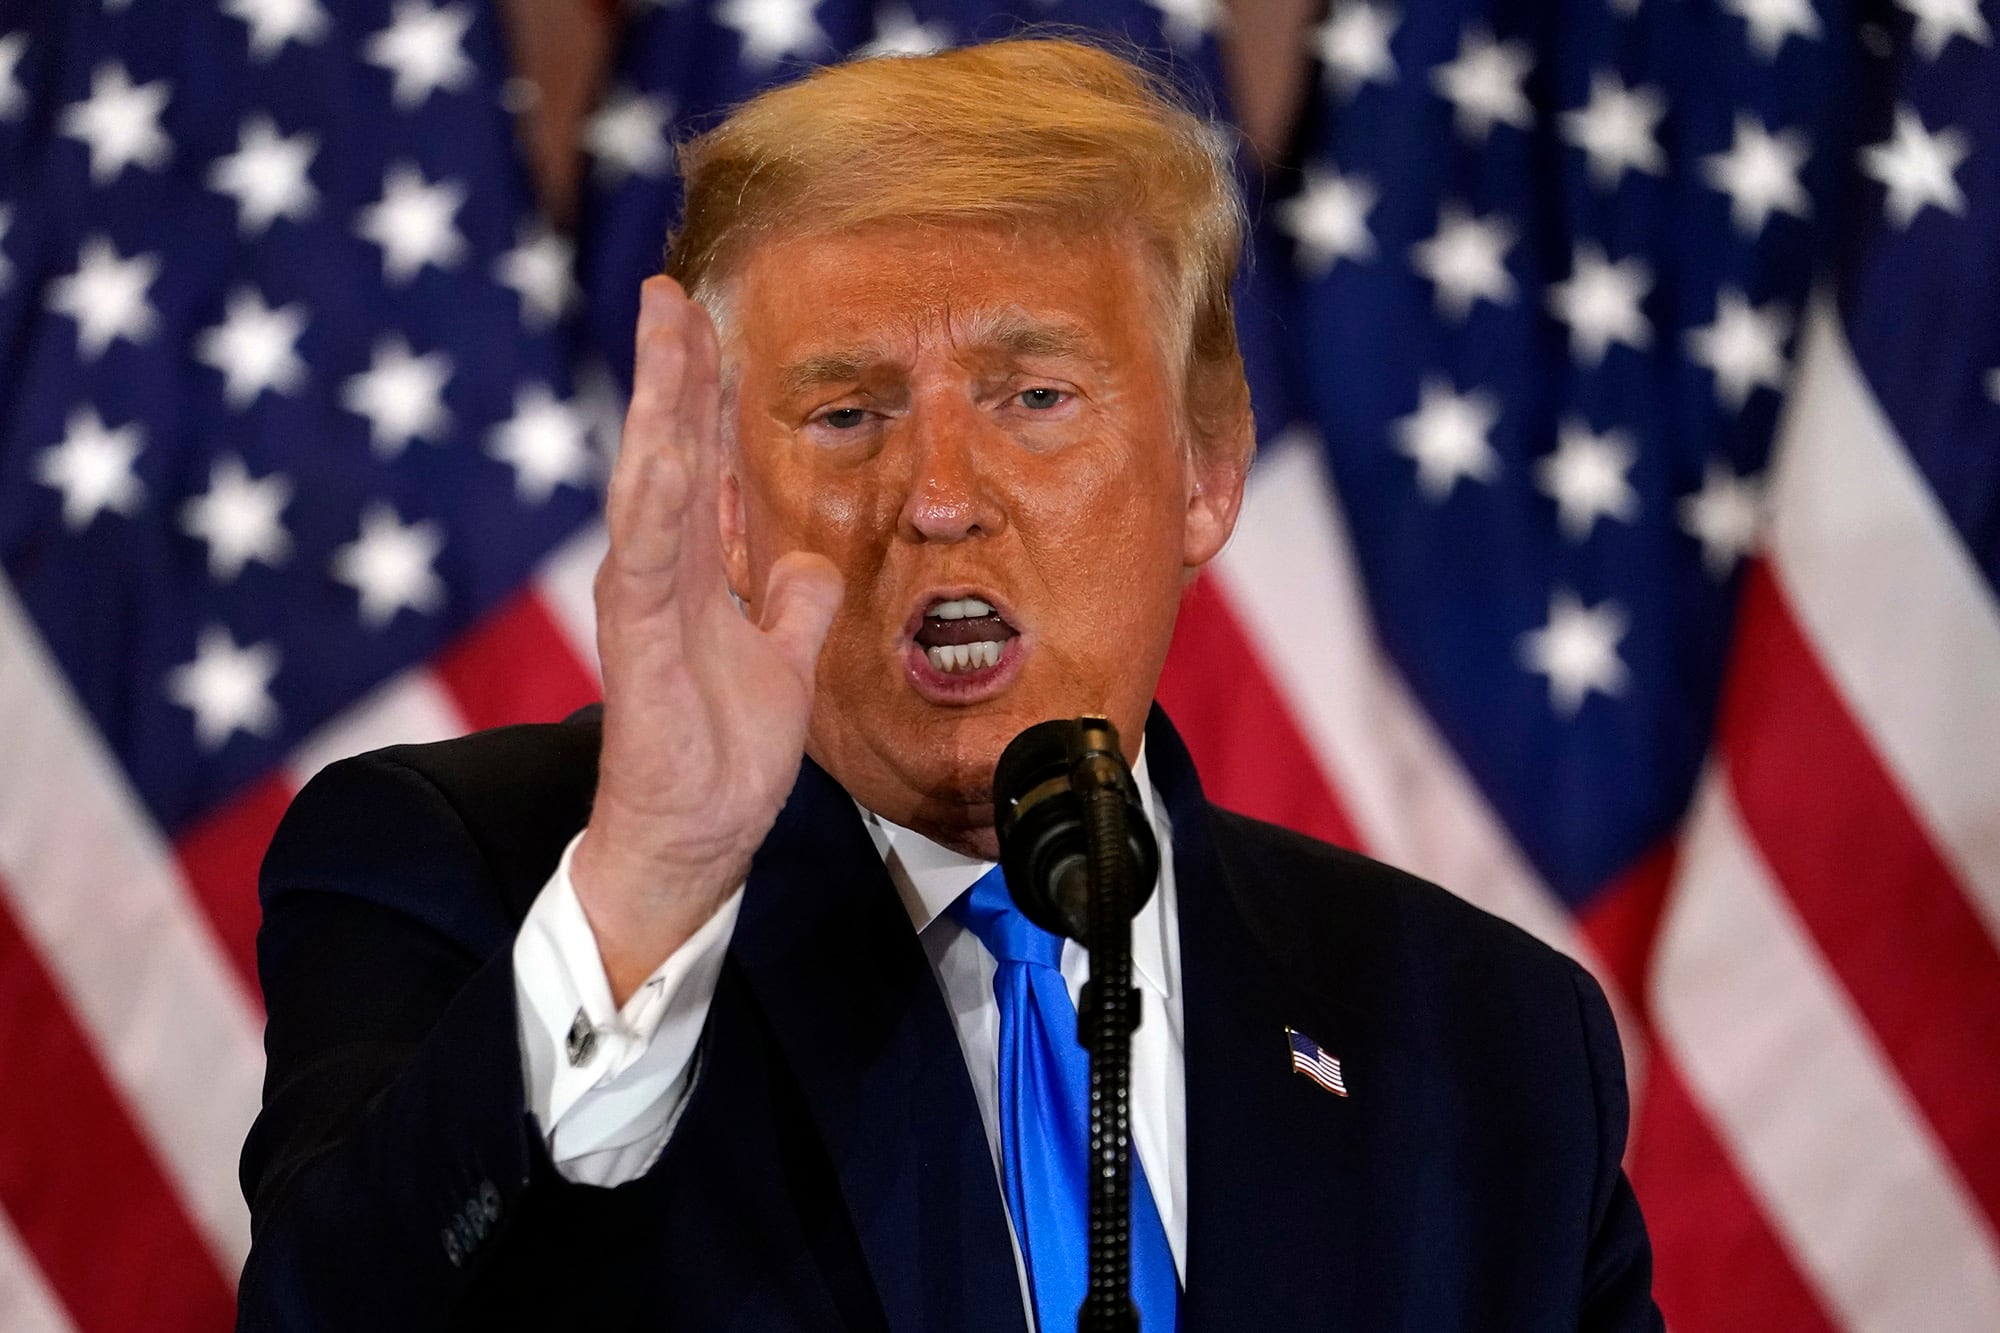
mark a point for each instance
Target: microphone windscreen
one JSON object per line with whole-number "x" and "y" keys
{"x": 1037, "y": 755}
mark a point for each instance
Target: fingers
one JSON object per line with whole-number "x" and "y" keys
{"x": 800, "y": 599}
{"x": 661, "y": 503}
{"x": 701, "y": 397}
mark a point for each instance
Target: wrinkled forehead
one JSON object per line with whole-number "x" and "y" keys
{"x": 807, "y": 307}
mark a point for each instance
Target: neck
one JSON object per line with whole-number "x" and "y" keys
{"x": 977, "y": 841}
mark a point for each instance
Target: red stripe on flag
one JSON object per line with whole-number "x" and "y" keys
{"x": 82, "y": 1188}
{"x": 220, "y": 856}
{"x": 1866, "y": 880}
{"x": 516, "y": 666}
{"x": 1251, "y": 754}
{"x": 1622, "y": 919}
{"x": 1718, "y": 1265}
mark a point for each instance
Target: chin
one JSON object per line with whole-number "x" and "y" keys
{"x": 953, "y": 756}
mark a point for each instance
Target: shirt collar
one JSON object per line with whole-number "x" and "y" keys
{"x": 929, "y": 878}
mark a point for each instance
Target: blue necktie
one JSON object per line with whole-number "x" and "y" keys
{"x": 1045, "y": 1126}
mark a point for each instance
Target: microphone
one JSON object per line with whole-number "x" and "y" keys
{"x": 1080, "y": 860}
{"x": 1046, "y": 781}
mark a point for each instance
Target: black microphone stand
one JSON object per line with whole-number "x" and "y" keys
{"x": 1105, "y": 1023}
{"x": 1080, "y": 859}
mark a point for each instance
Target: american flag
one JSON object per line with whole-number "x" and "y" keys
{"x": 1630, "y": 568}
{"x": 1597, "y": 564}
{"x": 1315, "y": 1062}
{"x": 289, "y": 465}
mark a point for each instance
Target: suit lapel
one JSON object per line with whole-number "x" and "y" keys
{"x": 848, "y": 991}
{"x": 1274, "y": 1179}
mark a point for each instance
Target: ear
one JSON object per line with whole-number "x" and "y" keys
{"x": 1216, "y": 469}
{"x": 733, "y": 526}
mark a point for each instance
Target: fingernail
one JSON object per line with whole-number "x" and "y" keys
{"x": 650, "y": 301}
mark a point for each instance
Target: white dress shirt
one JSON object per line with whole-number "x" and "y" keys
{"x": 607, "y": 1084}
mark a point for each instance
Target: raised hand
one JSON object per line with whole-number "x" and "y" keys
{"x": 705, "y": 713}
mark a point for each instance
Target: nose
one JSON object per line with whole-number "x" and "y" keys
{"x": 949, "y": 496}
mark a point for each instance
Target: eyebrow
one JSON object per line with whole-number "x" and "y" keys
{"x": 1007, "y": 332}
{"x": 1010, "y": 331}
{"x": 828, "y": 368}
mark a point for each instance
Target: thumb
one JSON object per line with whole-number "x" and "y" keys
{"x": 800, "y": 599}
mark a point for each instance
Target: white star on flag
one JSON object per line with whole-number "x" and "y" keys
{"x": 1353, "y": 45}
{"x": 239, "y": 518}
{"x": 1578, "y": 651}
{"x": 13, "y": 97}
{"x": 898, "y": 33}
{"x": 413, "y": 223}
{"x": 1771, "y": 22}
{"x": 539, "y": 269}
{"x": 92, "y": 467}
{"x": 1917, "y": 167}
{"x": 1466, "y": 261}
{"x": 546, "y": 442}
{"x": 255, "y": 348}
{"x": 1447, "y": 436}
{"x": 1600, "y": 303}
{"x": 628, "y": 135}
{"x": 1744, "y": 347}
{"x": 1586, "y": 477}
{"x": 1725, "y": 516}
{"x": 275, "y": 22}
{"x": 1760, "y": 174}
{"x": 402, "y": 395}
{"x": 266, "y": 175}
{"x": 1615, "y": 130}
{"x": 1484, "y": 83}
{"x": 227, "y": 688}
{"x": 422, "y": 47}
{"x": 1328, "y": 219}
{"x": 773, "y": 29}
{"x": 106, "y": 296}
{"x": 1938, "y": 21}
{"x": 120, "y": 123}
{"x": 1186, "y": 22}
{"x": 389, "y": 566}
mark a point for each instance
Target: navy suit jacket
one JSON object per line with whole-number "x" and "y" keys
{"x": 830, "y": 1170}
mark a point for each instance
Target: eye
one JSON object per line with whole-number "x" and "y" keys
{"x": 845, "y": 418}
{"x": 1041, "y": 399}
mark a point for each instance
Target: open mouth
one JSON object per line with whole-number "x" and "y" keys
{"x": 963, "y": 648}
{"x": 964, "y": 634}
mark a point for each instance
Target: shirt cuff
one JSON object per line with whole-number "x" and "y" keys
{"x": 607, "y": 1084}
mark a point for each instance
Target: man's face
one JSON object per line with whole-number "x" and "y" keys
{"x": 978, "y": 427}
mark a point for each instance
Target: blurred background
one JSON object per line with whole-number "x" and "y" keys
{"x": 1622, "y": 550}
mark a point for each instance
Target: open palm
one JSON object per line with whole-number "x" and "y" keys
{"x": 705, "y": 713}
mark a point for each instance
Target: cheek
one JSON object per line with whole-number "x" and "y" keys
{"x": 796, "y": 508}
{"x": 1108, "y": 546}
{"x": 837, "y": 514}
{"x": 1119, "y": 506}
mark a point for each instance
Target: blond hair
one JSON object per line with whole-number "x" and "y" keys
{"x": 1028, "y": 131}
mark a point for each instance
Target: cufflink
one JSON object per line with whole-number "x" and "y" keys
{"x": 582, "y": 1040}
{"x": 470, "y": 1225}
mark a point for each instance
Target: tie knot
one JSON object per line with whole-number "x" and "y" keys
{"x": 987, "y": 910}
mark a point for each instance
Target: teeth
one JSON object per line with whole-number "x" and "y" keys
{"x": 953, "y": 658}
{"x": 961, "y": 609}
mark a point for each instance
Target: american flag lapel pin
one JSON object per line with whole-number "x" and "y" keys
{"x": 1315, "y": 1062}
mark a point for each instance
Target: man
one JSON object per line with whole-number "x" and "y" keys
{"x": 708, "y": 1012}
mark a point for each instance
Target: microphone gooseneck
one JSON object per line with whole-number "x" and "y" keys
{"x": 1080, "y": 860}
